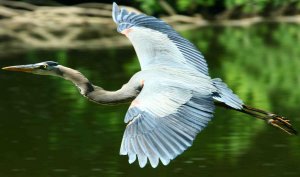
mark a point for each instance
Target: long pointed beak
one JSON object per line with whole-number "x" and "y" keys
{"x": 21, "y": 68}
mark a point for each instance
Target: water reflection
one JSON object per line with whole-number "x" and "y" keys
{"x": 48, "y": 129}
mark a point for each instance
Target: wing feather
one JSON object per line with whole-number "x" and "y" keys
{"x": 167, "y": 115}
{"x": 188, "y": 52}
{"x": 164, "y": 123}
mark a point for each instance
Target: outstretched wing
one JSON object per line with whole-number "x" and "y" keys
{"x": 157, "y": 43}
{"x": 163, "y": 121}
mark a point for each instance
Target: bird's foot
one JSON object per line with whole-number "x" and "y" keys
{"x": 281, "y": 119}
{"x": 281, "y": 123}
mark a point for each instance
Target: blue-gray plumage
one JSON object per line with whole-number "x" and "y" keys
{"x": 149, "y": 27}
{"x": 173, "y": 97}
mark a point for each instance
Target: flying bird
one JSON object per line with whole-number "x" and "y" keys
{"x": 172, "y": 98}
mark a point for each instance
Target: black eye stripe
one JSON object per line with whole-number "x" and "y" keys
{"x": 52, "y": 63}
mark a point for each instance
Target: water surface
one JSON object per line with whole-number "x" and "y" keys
{"x": 47, "y": 129}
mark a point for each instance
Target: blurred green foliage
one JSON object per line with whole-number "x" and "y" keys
{"x": 215, "y": 7}
{"x": 257, "y": 60}
{"x": 210, "y": 8}
{"x": 150, "y": 6}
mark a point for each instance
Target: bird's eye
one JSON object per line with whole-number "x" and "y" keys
{"x": 44, "y": 66}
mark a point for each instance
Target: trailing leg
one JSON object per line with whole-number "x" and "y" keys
{"x": 272, "y": 119}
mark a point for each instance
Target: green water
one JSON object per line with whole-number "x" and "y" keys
{"x": 48, "y": 130}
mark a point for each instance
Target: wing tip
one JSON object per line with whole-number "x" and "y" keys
{"x": 153, "y": 162}
{"x": 142, "y": 160}
{"x": 131, "y": 158}
{"x": 115, "y": 12}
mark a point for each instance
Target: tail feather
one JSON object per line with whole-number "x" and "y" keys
{"x": 225, "y": 95}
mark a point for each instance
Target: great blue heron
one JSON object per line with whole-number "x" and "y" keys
{"x": 173, "y": 97}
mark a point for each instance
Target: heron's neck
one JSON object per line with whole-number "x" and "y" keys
{"x": 95, "y": 93}
{"x": 78, "y": 79}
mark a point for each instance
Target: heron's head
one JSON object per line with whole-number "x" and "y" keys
{"x": 43, "y": 68}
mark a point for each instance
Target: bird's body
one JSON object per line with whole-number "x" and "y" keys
{"x": 172, "y": 98}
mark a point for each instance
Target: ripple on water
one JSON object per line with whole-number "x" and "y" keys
{"x": 60, "y": 170}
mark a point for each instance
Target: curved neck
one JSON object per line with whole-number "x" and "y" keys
{"x": 95, "y": 93}
{"x": 77, "y": 78}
